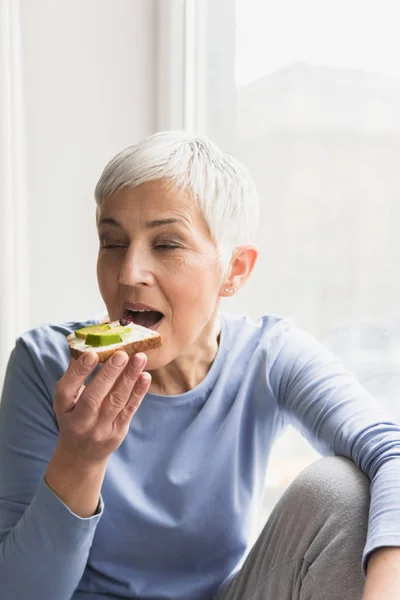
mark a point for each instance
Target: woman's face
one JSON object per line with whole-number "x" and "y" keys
{"x": 156, "y": 253}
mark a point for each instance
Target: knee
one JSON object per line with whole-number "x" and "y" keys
{"x": 334, "y": 485}
{"x": 323, "y": 518}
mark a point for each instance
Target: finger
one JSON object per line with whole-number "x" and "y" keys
{"x": 138, "y": 393}
{"x": 75, "y": 400}
{"x": 122, "y": 390}
{"x": 70, "y": 385}
{"x": 91, "y": 399}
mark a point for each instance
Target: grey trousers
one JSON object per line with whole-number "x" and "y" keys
{"x": 311, "y": 546}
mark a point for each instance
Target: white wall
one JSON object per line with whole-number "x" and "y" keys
{"x": 89, "y": 89}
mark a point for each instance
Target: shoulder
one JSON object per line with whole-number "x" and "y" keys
{"x": 268, "y": 330}
{"x": 43, "y": 351}
{"x": 276, "y": 339}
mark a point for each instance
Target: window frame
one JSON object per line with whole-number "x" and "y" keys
{"x": 194, "y": 72}
{"x": 14, "y": 256}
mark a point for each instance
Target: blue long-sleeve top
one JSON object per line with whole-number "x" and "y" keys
{"x": 182, "y": 492}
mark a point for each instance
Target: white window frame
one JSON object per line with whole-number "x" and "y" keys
{"x": 193, "y": 71}
{"x": 14, "y": 264}
{"x": 181, "y": 68}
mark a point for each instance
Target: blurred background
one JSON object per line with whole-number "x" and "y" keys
{"x": 305, "y": 93}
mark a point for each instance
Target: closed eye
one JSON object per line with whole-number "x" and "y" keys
{"x": 105, "y": 246}
{"x": 166, "y": 246}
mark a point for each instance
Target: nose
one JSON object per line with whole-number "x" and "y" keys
{"x": 136, "y": 268}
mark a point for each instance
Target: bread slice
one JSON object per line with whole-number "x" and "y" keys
{"x": 140, "y": 339}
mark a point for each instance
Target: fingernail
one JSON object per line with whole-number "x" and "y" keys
{"x": 143, "y": 382}
{"x": 137, "y": 360}
{"x": 89, "y": 359}
{"x": 118, "y": 359}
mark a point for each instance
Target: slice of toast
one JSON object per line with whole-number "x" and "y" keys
{"x": 139, "y": 339}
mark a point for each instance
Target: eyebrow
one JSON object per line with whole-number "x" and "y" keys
{"x": 161, "y": 222}
{"x": 109, "y": 221}
{"x": 149, "y": 224}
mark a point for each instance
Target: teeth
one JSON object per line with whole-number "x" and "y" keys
{"x": 140, "y": 310}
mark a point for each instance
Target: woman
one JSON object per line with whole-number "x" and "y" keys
{"x": 146, "y": 484}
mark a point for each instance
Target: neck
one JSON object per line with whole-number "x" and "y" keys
{"x": 190, "y": 368}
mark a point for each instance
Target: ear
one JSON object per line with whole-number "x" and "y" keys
{"x": 242, "y": 263}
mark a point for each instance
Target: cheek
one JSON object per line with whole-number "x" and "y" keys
{"x": 107, "y": 276}
{"x": 190, "y": 266}
{"x": 194, "y": 282}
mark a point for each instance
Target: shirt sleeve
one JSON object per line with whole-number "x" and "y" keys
{"x": 339, "y": 417}
{"x": 44, "y": 547}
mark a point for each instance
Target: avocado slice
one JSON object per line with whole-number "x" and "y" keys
{"x": 82, "y": 333}
{"x": 107, "y": 338}
{"x": 101, "y": 339}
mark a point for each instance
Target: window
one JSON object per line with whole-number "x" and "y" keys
{"x": 307, "y": 95}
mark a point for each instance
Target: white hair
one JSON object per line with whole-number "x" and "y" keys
{"x": 222, "y": 186}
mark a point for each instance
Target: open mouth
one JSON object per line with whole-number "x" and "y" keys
{"x": 142, "y": 315}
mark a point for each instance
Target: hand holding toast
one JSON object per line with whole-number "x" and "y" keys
{"x": 94, "y": 420}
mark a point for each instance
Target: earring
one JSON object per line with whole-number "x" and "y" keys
{"x": 230, "y": 290}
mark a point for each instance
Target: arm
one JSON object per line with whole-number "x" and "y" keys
{"x": 43, "y": 545}
{"x": 383, "y": 575}
{"x": 339, "y": 417}
{"x": 50, "y": 476}
{"x": 77, "y": 484}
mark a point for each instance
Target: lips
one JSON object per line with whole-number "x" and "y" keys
{"x": 141, "y": 314}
